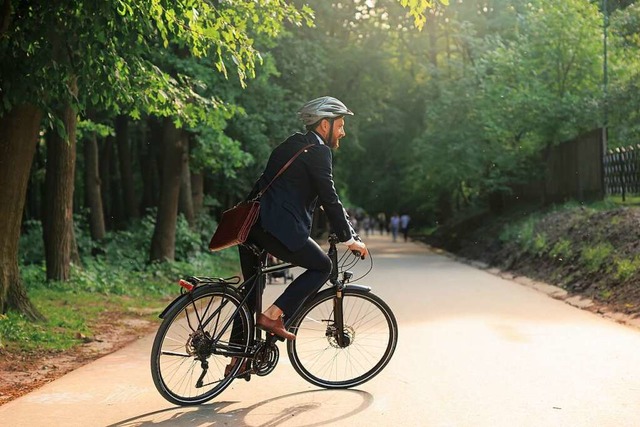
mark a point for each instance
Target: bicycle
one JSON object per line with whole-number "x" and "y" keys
{"x": 345, "y": 335}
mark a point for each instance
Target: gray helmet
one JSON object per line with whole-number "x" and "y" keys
{"x": 321, "y": 108}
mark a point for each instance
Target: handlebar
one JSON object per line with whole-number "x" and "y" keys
{"x": 332, "y": 253}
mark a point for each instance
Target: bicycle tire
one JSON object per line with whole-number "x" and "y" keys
{"x": 373, "y": 334}
{"x": 175, "y": 367}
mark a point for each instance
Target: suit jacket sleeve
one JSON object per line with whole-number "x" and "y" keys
{"x": 321, "y": 170}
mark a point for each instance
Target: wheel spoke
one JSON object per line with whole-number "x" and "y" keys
{"x": 186, "y": 338}
{"x": 370, "y": 332}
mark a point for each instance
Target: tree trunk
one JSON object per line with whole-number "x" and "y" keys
{"x": 433, "y": 45}
{"x": 197, "y": 192}
{"x": 5, "y": 17}
{"x": 59, "y": 186}
{"x": 104, "y": 166}
{"x": 148, "y": 158}
{"x": 33, "y": 203}
{"x": 18, "y": 137}
{"x": 164, "y": 234}
{"x": 92, "y": 188}
{"x": 186, "y": 199}
{"x": 117, "y": 205}
{"x": 126, "y": 171}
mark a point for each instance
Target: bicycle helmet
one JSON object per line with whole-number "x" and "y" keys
{"x": 325, "y": 107}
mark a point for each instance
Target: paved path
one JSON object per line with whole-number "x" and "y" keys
{"x": 474, "y": 350}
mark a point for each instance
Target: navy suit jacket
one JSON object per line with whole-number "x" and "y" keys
{"x": 286, "y": 208}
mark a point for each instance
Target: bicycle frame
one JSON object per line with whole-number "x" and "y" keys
{"x": 248, "y": 286}
{"x": 345, "y": 334}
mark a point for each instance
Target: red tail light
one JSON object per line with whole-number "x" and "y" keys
{"x": 186, "y": 285}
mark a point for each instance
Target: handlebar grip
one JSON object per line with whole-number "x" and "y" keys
{"x": 358, "y": 254}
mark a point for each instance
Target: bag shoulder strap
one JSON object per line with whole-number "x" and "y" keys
{"x": 283, "y": 168}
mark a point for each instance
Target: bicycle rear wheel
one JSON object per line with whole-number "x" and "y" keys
{"x": 193, "y": 345}
{"x": 371, "y": 334}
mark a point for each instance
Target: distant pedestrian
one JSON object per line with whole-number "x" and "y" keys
{"x": 394, "y": 226}
{"x": 404, "y": 225}
{"x": 366, "y": 224}
{"x": 373, "y": 225}
{"x": 382, "y": 222}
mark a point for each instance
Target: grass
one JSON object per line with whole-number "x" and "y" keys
{"x": 629, "y": 200}
{"x": 69, "y": 316}
{"x": 74, "y": 308}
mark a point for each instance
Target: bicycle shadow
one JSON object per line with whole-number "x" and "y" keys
{"x": 213, "y": 415}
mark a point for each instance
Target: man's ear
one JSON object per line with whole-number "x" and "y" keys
{"x": 322, "y": 126}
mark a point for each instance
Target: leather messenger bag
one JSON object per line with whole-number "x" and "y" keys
{"x": 236, "y": 223}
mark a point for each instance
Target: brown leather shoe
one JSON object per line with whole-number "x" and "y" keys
{"x": 275, "y": 327}
{"x": 244, "y": 372}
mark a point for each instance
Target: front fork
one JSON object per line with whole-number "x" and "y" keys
{"x": 338, "y": 319}
{"x": 338, "y": 313}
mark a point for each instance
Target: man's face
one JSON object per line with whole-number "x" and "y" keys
{"x": 338, "y": 132}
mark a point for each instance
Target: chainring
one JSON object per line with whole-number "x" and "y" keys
{"x": 265, "y": 359}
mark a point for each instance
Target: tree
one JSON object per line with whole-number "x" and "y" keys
{"x": 623, "y": 103}
{"x": 21, "y": 124}
{"x": 107, "y": 52}
{"x": 93, "y": 189}
{"x": 59, "y": 186}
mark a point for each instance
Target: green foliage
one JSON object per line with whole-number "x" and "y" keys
{"x": 562, "y": 250}
{"x": 119, "y": 50}
{"x": 88, "y": 127}
{"x": 520, "y": 232}
{"x": 623, "y": 82}
{"x": 116, "y": 277}
{"x": 31, "y": 246}
{"x": 417, "y": 9}
{"x": 593, "y": 258}
{"x": 624, "y": 269}
{"x": 605, "y": 294}
{"x": 109, "y": 266}
{"x": 539, "y": 244}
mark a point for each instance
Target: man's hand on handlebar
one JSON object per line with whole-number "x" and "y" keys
{"x": 359, "y": 249}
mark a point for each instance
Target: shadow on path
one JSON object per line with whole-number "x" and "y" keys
{"x": 214, "y": 414}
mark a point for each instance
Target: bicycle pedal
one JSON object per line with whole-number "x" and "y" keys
{"x": 246, "y": 375}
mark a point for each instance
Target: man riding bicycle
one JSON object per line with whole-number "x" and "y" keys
{"x": 286, "y": 210}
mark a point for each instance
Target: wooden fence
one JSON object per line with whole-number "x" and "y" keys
{"x": 622, "y": 171}
{"x": 572, "y": 170}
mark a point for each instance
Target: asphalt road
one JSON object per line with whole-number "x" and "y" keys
{"x": 474, "y": 350}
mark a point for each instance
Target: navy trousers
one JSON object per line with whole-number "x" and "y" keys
{"x": 310, "y": 257}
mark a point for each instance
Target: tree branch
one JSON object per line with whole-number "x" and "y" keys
{"x": 5, "y": 17}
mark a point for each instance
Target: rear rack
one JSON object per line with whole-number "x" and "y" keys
{"x": 188, "y": 284}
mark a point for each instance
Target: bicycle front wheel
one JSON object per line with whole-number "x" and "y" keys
{"x": 370, "y": 337}
{"x": 194, "y": 345}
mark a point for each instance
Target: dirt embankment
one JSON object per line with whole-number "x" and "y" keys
{"x": 590, "y": 253}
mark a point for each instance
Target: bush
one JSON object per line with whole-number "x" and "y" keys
{"x": 118, "y": 265}
{"x": 31, "y": 246}
{"x": 624, "y": 269}
{"x": 593, "y": 258}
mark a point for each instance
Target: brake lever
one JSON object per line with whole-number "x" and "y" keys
{"x": 358, "y": 254}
